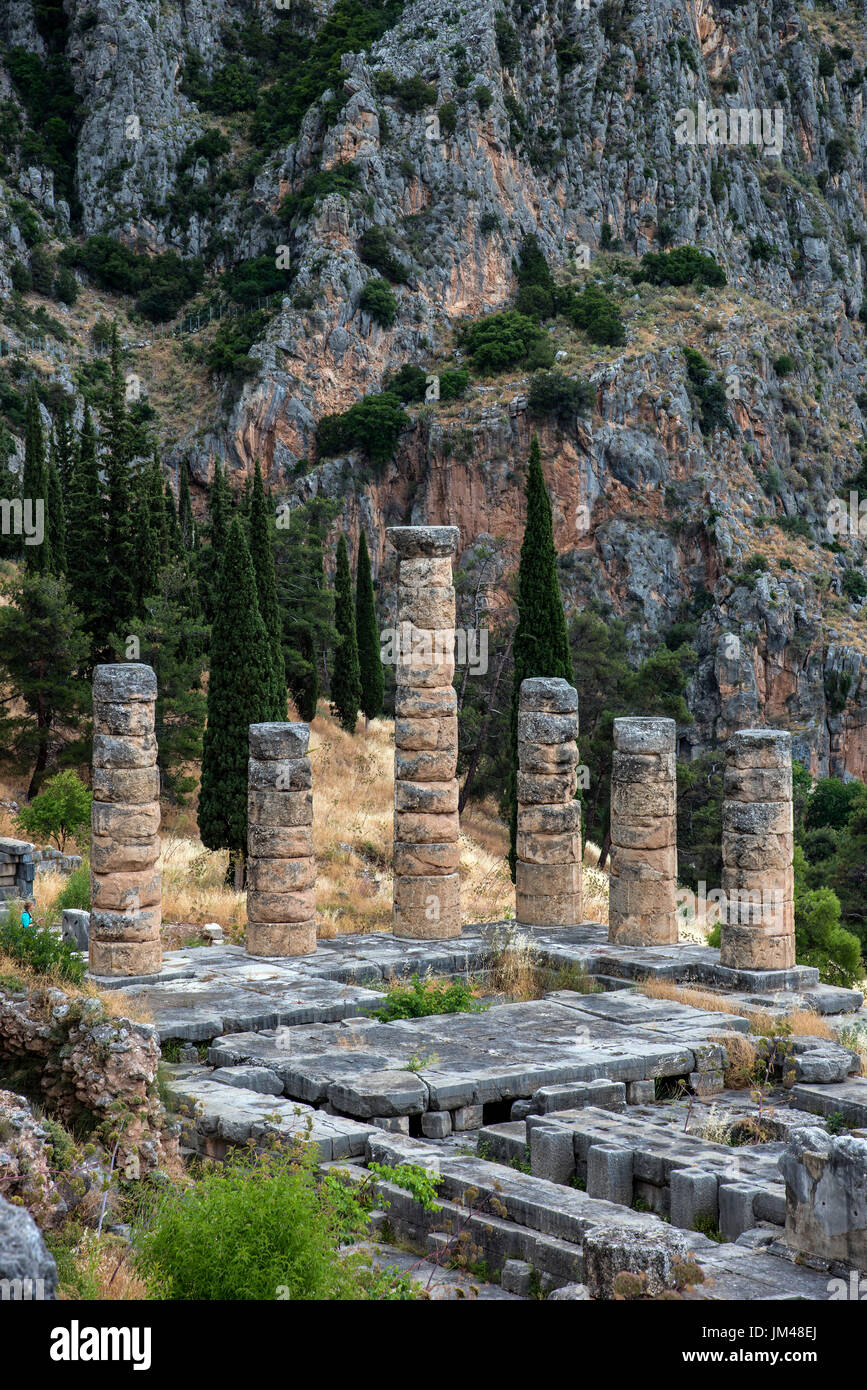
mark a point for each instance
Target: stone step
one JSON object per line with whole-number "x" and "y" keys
{"x": 846, "y": 1098}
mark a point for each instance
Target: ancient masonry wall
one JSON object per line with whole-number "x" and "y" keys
{"x": 548, "y": 869}
{"x": 643, "y": 884}
{"x": 758, "y": 920}
{"x": 125, "y": 891}
{"x": 281, "y": 869}
{"x": 426, "y": 845}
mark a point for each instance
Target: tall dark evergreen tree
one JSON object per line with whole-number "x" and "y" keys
{"x": 238, "y": 690}
{"x": 210, "y": 557}
{"x": 370, "y": 667}
{"x": 174, "y": 539}
{"x": 186, "y": 519}
{"x": 55, "y": 520}
{"x": 86, "y": 555}
{"x": 120, "y": 519}
{"x": 159, "y": 523}
{"x": 34, "y": 485}
{"x": 262, "y": 553}
{"x": 63, "y": 446}
{"x": 147, "y": 540}
{"x": 345, "y": 677}
{"x": 306, "y": 601}
{"x": 541, "y": 646}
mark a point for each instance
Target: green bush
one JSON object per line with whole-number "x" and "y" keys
{"x": 596, "y": 313}
{"x": 374, "y": 250}
{"x": 22, "y": 280}
{"x": 709, "y": 391}
{"x": 784, "y": 365}
{"x": 377, "y": 299}
{"x": 421, "y": 998}
{"x": 453, "y": 383}
{"x": 343, "y": 179}
{"x": 254, "y": 279}
{"x": 59, "y": 811}
{"x": 75, "y": 892}
{"x": 854, "y": 584}
{"x": 372, "y": 424}
{"x": 558, "y": 395}
{"x": 259, "y": 1228}
{"x": 414, "y": 93}
{"x": 209, "y": 146}
{"x": 448, "y": 117}
{"x": 41, "y": 949}
{"x": 684, "y": 266}
{"x": 66, "y": 286}
{"x": 508, "y": 339}
{"x": 820, "y": 940}
{"x": 508, "y": 46}
{"x": 483, "y": 95}
{"x": 229, "y": 354}
{"x": 408, "y": 384}
{"x": 162, "y": 284}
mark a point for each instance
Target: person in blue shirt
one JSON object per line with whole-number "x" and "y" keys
{"x": 27, "y": 914}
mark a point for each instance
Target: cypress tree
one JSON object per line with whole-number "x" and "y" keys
{"x": 86, "y": 556}
{"x": 262, "y": 554}
{"x": 34, "y": 485}
{"x": 174, "y": 539}
{"x": 147, "y": 539}
{"x": 120, "y": 523}
{"x": 237, "y": 697}
{"x": 541, "y": 646}
{"x": 159, "y": 522}
{"x": 62, "y": 449}
{"x": 186, "y": 519}
{"x": 10, "y": 490}
{"x": 219, "y": 504}
{"x": 55, "y": 521}
{"x": 346, "y": 678}
{"x": 367, "y": 636}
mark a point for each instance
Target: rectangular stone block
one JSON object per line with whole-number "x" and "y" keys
{"x": 652, "y": 833}
{"x": 124, "y": 721}
{"x": 640, "y": 1092}
{"x": 640, "y": 801}
{"x": 548, "y": 849}
{"x": 279, "y": 740}
{"x": 134, "y": 925}
{"x": 693, "y": 1195}
{"x": 436, "y": 894}
{"x": 552, "y": 1154}
{"x": 467, "y": 1117}
{"x": 534, "y": 789}
{"x": 752, "y": 748}
{"x": 118, "y": 892}
{"x": 281, "y": 938}
{"x": 281, "y": 842}
{"x": 129, "y": 786}
{"x": 410, "y": 702}
{"x": 556, "y": 818}
{"x": 281, "y": 810}
{"x": 548, "y": 759}
{"x": 548, "y": 879}
{"x": 641, "y": 898}
{"x": 758, "y": 818}
{"x": 429, "y": 735}
{"x": 110, "y": 856}
{"x": 430, "y": 607}
{"x": 757, "y": 852}
{"x": 427, "y": 674}
{"x": 125, "y": 957}
{"x": 281, "y": 907}
{"x": 425, "y": 766}
{"x": 547, "y": 728}
{"x": 281, "y": 875}
{"x": 644, "y": 863}
{"x": 279, "y": 774}
{"x": 415, "y": 923}
{"x": 111, "y": 752}
{"x": 425, "y": 828}
{"x": 547, "y": 694}
{"x": 654, "y": 769}
{"x": 419, "y": 860}
{"x": 548, "y": 910}
{"x": 758, "y": 784}
{"x": 609, "y": 1173}
{"x": 433, "y": 798}
{"x": 744, "y": 948}
{"x": 646, "y": 736}
{"x": 436, "y": 1124}
{"x": 127, "y": 823}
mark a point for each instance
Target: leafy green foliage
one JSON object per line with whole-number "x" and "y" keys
{"x": 507, "y": 339}
{"x": 422, "y": 998}
{"x": 41, "y": 950}
{"x": 45, "y": 87}
{"x": 162, "y": 284}
{"x": 377, "y": 299}
{"x": 555, "y": 394}
{"x": 59, "y": 812}
{"x": 343, "y": 179}
{"x": 684, "y": 266}
{"x": 372, "y": 424}
{"x": 409, "y": 383}
{"x": 374, "y": 250}
{"x": 229, "y": 353}
{"x": 254, "y": 279}
{"x": 421, "y": 1185}
{"x": 820, "y": 940}
{"x": 595, "y": 312}
{"x": 709, "y": 392}
{"x": 75, "y": 892}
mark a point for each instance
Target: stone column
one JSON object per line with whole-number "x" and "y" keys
{"x": 642, "y": 905}
{"x": 125, "y": 883}
{"x": 427, "y": 899}
{"x": 548, "y": 870}
{"x": 281, "y": 870}
{"x": 758, "y": 919}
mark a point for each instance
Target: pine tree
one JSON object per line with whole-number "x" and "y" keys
{"x": 306, "y": 602}
{"x": 186, "y": 519}
{"x": 87, "y": 559}
{"x": 10, "y": 491}
{"x": 62, "y": 446}
{"x": 159, "y": 522}
{"x": 120, "y": 521}
{"x": 210, "y": 557}
{"x": 346, "y": 678}
{"x": 34, "y": 485}
{"x": 262, "y": 554}
{"x": 237, "y": 697}
{"x": 147, "y": 540}
{"x": 174, "y": 539}
{"x": 367, "y": 636}
{"x": 541, "y": 646}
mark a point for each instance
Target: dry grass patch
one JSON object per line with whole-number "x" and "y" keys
{"x": 14, "y": 974}
{"x": 685, "y": 994}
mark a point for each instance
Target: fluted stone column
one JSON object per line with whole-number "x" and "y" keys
{"x": 758, "y": 920}
{"x": 642, "y": 909}
{"x": 125, "y": 883}
{"x": 427, "y": 900}
{"x": 548, "y": 869}
{"x": 281, "y": 870}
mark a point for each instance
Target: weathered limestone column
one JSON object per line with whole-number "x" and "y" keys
{"x": 125, "y": 881}
{"x": 548, "y": 870}
{"x": 281, "y": 870}
{"x": 427, "y": 899}
{"x": 642, "y": 908}
{"x": 758, "y": 920}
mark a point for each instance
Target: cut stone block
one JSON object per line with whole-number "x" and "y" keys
{"x": 609, "y": 1173}
{"x": 281, "y": 938}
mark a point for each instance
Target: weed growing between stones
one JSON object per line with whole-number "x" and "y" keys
{"x": 421, "y": 998}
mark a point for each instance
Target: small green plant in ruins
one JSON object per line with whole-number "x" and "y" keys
{"x": 421, "y": 998}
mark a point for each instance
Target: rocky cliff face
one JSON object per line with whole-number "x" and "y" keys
{"x": 609, "y": 131}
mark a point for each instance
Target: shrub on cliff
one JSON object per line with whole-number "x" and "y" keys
{"x": 378, "y": 300}
{"x": 683, "y": 266}
{"x": 372, "y": 424}
{"x": 41, "y": 950}
{"x": 500, "y": 341}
